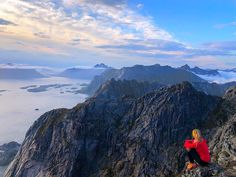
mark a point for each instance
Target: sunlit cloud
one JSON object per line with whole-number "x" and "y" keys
{"x": 101, "y": 23}
{"x": 108, "y": 28}
{"x": 113, "y": 3}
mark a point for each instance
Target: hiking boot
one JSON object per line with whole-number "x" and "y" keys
{"x": 191, "y": 166}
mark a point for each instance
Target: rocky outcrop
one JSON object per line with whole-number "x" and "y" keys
{"x": 223, "y": 144}
{"x": 8, "y": 152}
{"x": 125, "y": 136}
{"x": 211, "y": 170}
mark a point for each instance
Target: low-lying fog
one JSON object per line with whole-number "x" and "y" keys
{"x": 224, "y": 77}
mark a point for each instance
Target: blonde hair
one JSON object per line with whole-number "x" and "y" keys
{"x": 196, "y": 134}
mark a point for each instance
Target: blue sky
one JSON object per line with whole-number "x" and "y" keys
{"x": 119, "y": 33}
{"x": 194, "y": 21}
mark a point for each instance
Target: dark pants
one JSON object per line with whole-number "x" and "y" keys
{"x": 194, "y": 156}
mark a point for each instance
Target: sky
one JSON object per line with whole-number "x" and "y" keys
{"x": 63, "y": 33}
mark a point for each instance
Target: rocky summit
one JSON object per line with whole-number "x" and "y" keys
{"x": 130, "y": 136}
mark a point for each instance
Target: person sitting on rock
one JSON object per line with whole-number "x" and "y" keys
{"x": 198, "y": 151}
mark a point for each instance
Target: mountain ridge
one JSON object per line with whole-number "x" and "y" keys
{"x": 200, "y": 71}
{"x": 164, "y": 75}
{"x": 115, "y": 137}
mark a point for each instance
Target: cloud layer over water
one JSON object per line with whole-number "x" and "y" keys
{"x": 224, "y": 77}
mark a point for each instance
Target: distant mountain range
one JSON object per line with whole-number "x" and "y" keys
{"x": 84, "y": 73}
{"x": 164, "y": 75}
{"x": 230, "y": 70}
{"x": 200, "y": 71}
{"x": 24, "y": 72}
{"x": 213, "y": 75}
{"x": 210, "y": 81}
{"x": 19, "y": 73}
{"x": 209, "y": 72}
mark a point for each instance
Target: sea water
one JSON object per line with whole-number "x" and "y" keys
{"x": 20, "y": 105}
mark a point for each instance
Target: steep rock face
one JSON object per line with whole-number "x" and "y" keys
{"x": 114, "y": 137}
{"x": 154, "y": 144}
{"x": 223, "y": 144}
{"x": 231, "y": 94}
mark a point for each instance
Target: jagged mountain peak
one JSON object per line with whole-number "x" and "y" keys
{"x": 178, "y": 89}
{"x": 200, "y": 71}
{"x": 184, "y": 86}
{"x": 101, "y": 65}
{"x": 230, "y": 94}
{"x": 185, "y": 67}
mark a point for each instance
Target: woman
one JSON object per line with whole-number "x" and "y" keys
{"x": 198, "y": 152}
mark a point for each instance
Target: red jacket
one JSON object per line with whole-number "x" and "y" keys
{"x": 201, "y": 148}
